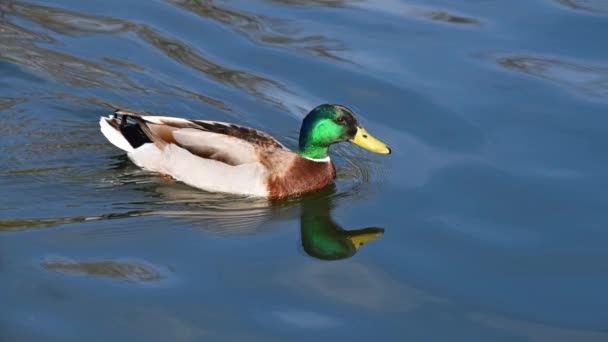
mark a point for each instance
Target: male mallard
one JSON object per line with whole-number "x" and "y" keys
{"x": 225, "y": 157}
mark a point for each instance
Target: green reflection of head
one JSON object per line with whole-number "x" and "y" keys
{"x": 322, "y": 238}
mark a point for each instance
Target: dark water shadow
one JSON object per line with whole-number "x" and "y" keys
{"x": 131, "y": 271}
{"x": 588, "y": 80}
{"x": 318, "y": 3}
{"x": 439, "y": 15}
{"x": 449, "y": 18}
{"x": 589, "y": 6}
{"x": 17, "y": 225}
{"x": 9, "y": 102}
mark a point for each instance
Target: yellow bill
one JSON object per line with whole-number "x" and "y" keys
{"x": 368, "y": 142}
{"x": 362, "y": 236}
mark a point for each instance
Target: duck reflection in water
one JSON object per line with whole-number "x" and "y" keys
{"x": 324, "y": 239}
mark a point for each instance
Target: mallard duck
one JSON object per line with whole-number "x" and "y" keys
{"x": 225, "y": 157}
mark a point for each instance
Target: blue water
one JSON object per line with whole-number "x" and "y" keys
{"x": 492, "y": 204}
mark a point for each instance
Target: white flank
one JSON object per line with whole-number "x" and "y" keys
{"x": 114, "y": 136}
{"x": 206, "y": 174}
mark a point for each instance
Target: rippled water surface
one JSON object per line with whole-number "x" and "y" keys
{"x": 487, "y": 223}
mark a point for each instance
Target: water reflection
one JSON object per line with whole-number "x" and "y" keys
{"x": 225, "y": 214}
{"x": 216, "y": 213}
{"x": 322, "y": 238}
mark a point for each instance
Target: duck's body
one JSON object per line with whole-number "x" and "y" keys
{"x": 222, "y": 157}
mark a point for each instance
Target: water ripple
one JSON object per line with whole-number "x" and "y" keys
{"x": 184, "y": 54}
{"x": 64, "y": 21}
{"x": 586, "y": 79}
{"x": 86, "y": 73}
{"x": 538, "y": 331}
{"x": 446, "y": 17}
{"x": 398, "y": 8}
{"x": 265, "y": 29}
{"x": 589, "y": 6}
{"x": 320, "y": 3}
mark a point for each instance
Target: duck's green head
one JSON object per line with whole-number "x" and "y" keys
{"x": 329, "y": 124}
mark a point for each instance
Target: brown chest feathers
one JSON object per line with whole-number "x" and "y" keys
{"x": 296, "y": 175}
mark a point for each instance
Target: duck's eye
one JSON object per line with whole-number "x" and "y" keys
{"x": 339, "y": 120}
